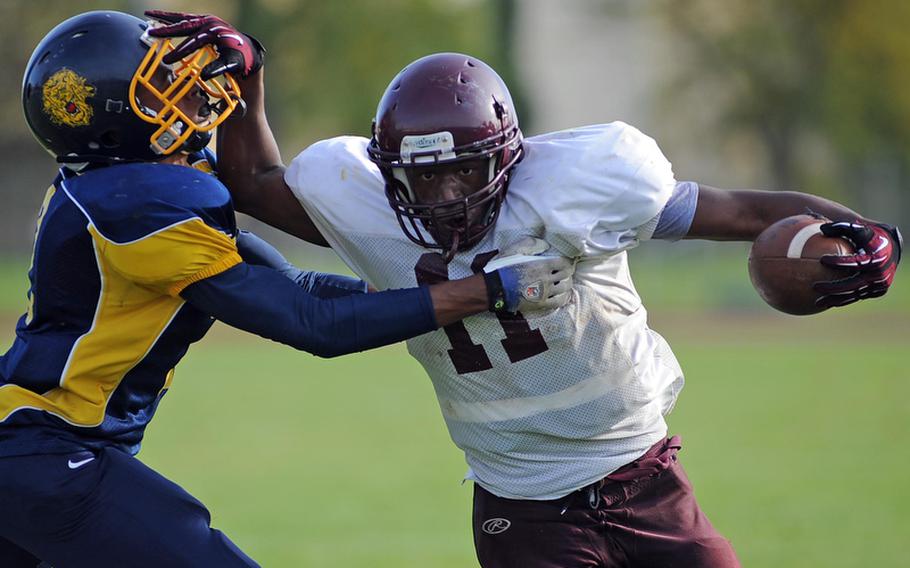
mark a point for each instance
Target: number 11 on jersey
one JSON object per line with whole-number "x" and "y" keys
{"x": 521, "y": 341}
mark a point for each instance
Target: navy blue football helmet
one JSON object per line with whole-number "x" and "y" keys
{"x": 95, "y": 91}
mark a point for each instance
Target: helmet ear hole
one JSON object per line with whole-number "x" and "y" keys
{"x": 110, "y": 139}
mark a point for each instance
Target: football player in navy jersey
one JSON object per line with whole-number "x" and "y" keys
{"x": 136, "y": 252}
{"x": 561, "y": 414}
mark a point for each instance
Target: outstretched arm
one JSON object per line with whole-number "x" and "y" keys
{"x": 264, "y": 301}
{"x": 740, "y": 215}
{"x": 256, "y": 251}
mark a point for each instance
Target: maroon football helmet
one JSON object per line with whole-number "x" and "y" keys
{"x": 442, "y": 109}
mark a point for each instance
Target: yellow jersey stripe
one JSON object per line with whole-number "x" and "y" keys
{"x": 30, "y": 312}
{"x": 170, "y": 260}
{"x": 128, "y": 321}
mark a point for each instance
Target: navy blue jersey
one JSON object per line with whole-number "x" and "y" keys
{"x": 114, "y": 248}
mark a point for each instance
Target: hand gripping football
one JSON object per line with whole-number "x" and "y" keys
{"x": 783, "y": 264}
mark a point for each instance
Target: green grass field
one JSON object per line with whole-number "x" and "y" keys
{"x": 793, "y": 431}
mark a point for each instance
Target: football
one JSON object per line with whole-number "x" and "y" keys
{"x": 783, "y": 263}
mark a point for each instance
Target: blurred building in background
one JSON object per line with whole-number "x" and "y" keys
{"x": 781, "y": 94}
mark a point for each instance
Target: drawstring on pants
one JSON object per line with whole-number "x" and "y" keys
{"x": 593, "y": 495}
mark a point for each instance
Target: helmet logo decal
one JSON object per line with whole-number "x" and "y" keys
{"x": 64, "y": 96}
{"x": 428, "y": 147}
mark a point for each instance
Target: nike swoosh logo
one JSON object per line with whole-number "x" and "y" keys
{"x": 78, "y": 464}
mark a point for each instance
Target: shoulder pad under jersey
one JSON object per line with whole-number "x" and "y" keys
{"x": 609, "y": 175}
{"x": 130, "y": 201}
{"x": 339, "y": 159}
{"x": 340, "y": 187}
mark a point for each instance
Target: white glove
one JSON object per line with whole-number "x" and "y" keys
{"x": 527, "y": 279}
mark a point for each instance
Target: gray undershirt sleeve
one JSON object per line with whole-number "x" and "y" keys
{"x": 675, "y": 218}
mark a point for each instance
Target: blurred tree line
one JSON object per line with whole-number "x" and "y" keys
{"x": 328, "y": 63}
{"x": 821, "y": 84}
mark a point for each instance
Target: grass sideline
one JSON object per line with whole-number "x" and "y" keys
{"x": 308, "y": 462}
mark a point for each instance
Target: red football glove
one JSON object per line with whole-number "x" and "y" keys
{"x": 878, "y": 251}
{"x": 238, "y": 53}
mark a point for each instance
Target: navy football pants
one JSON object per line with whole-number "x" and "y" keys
{"x": 103, "y": 508}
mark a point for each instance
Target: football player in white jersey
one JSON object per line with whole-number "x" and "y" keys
{"x": 561, "y": 413}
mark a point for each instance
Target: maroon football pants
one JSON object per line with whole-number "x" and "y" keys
{"x": 643, "y": 515}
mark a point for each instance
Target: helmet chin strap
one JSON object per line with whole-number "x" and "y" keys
{"x": 450, "y": 254}
{"x": 196, "y": 142}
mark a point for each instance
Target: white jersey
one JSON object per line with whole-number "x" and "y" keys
{"x": 546, "y": 404}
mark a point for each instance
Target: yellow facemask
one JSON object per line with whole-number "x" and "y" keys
{"x": 175, "y": 126}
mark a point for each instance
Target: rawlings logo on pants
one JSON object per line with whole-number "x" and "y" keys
{"x": 496, "y": 526}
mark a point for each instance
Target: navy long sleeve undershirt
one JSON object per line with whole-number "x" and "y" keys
{"x": 263, "y": 301}
{"x": 255, "y": 250}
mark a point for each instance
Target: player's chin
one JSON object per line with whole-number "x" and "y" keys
{"x": 455, "y": 230}
{"x": 474, "y": 232}
{"x": 203, "y": 114}
{"x": 442, "y": 236}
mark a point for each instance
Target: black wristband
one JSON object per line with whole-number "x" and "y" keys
{"x": 496, "y": 295}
